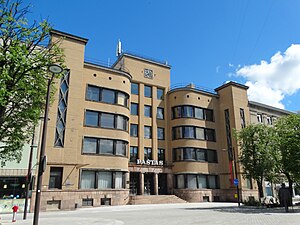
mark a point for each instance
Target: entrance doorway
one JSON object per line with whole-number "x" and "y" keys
{"x": 134, "y": 183}
{"x": 162, "y": 184}
{"x": 148, "y": 183}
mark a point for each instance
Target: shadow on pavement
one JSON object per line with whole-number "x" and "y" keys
{"x": 250, "y": 210}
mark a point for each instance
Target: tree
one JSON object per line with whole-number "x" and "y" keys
{"x": 288, "y": 141}
{"x": 25, "y": 53}
{"x": 258, "y": 156}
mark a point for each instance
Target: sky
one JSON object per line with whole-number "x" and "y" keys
{"x": 207, "y": 42}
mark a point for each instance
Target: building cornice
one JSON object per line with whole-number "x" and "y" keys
{"x": 231, "y": 83}
{"x": 261, "y": 105}
{"x": 67, "y": 35}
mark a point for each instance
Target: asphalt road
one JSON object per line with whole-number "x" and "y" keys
{"x": 177, "y": 214}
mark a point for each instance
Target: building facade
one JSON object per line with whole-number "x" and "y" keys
{"x": 120, "y": 131}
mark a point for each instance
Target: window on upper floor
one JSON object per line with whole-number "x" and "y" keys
{"x": 134, "y": 88}
{"x": 147, "y": 111}
{"x": 160, "y": 93}
{"x": 148, "y": 91}
{"x": 259, "y": 118}
{"x": 160, "y": 133}
{"x": 160, "y": 113}
{"x": 133, "y": 130}
{"x": 187, "y": 111}
{"x": 147, "y": 153}
{"x": 105, "y": 95}
{"x": 134, "y": 109}
{"x": 269, "y": 120}
{"x": 147, "y": 132}
{"x": 161, "y": 154}
{"x": 133, "y": 153}
{"x": 192, "y": 132}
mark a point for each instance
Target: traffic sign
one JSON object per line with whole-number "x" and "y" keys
{"x": 236, "y": 182}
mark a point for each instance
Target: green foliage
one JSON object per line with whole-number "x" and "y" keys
{"x": 25, "y": 53}
{"x": 251, "y": 202}
{"x": 258, "y": 153}
{"x": 288, "y": 141}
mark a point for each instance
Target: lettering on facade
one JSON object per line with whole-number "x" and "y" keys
{"x": 150, "y": 162}
{"x": 148, "y": 73}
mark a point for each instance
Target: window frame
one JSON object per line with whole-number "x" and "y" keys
{"x": 149, "y": 88}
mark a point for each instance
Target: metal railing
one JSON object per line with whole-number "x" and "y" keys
{"x": 193, "y": 86}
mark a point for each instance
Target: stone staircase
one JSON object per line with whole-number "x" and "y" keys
{"x": 154, "y": 199}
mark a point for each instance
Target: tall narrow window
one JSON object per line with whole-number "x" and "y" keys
{"x": 160, "y": 133}
{"x": 160, "y": 113}
{"x": 242, "y": 116}
{"x": 62, "y": 110}
{"x": 134, "y": 109}
{"x": 161, "y": 154}
{"x": 147, "y": 153}
{"x": 134, "y": 88}
{"x": 55, "y": 180}
{"x": 147, "y": 111}
{"x": 160, "y": 93}
{"x": 133, "y": 153}
{"x": 147, "y": 132}
{"x": 228, "y": 134}
{"x": 133, "y": 130}
{"x": 148, "y": 91}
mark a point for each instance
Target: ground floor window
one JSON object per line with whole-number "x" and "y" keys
{"x": 55, "y": 180}
{"x": 196, "y": 181}
{"x": 94, "y": 179}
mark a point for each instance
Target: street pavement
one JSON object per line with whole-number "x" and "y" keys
{"x": 165, "y": 214}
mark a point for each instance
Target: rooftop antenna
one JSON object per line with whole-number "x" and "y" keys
{"x": 119, "y": 48}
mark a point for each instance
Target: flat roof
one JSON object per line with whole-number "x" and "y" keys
{"x": 67, "y": 35}
{"x": 232, "y": 83}
{"x": 269, "y": 107}
{"x": 143, "y": 58}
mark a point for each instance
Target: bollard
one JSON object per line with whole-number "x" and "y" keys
{"x": 15, "y": 210}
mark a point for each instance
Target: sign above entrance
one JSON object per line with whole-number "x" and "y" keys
{"x": 150, "y": 162}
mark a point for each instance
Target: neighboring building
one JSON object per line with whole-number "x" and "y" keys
{"x": 120, "y": 131}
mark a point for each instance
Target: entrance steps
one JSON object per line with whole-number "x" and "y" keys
{"x": 154, "y": 199}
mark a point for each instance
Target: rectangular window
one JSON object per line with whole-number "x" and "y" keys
{"x": 189, "y": 154}
{"x": 259, "y": 118}
{"x": 147, "y": 153}
{"x": 93, "y": 93}
{"x": 119, "y": 180}
{"x": 134, "y": 109}
{"x": 212, "y": 156}
{"x": 87, "y": 179}
{"x": 192, "y": 181}
{"x": 177, "y": 133}
{"x": 242, "y": 116}
{"x": 200, "y": 155}
{"x": 177, "y": 112}
{"x": 212, "y": 182}
{"x": 122, "y": 99}
{"x": 249, "y": 183}
{"x": 122, "y": 122}
{"x": 134, "y": 88}
{"x": 160, "y": 113}
{"x": 104, "y": 180}
{"x": 209, "y": 115}
{"x": 188, "y": 132}
{"x": 161, "y": 154}
{"x": 202, "y": 181}
{"x": 90, "y": 145}
{"x": 160, "y": 133}
{"x": 188, "y": 111}
{"x": 147, "y": 111}
{"x": 106, "y": 146}
{"x": 160, "y": 93}
{"x": 91, "y": 118}
{"x": 199, "y": 113}
{"x": 108, "y": 96}
{"x": 148, "y": 91}
{"x": 121, "y": 148}
{"x": 133, "y": 154}
{"x": 210, "y": 135}
{"x": 180, "y": 181}
{"x": 147, "y": 132}
{"x": 177, "y": 154}
{"x": 269, "y": 120}
{"x": 107, "y": 120}
{"x": 55, "y": 180}
{"x": 200, "y": 133}
{"x": 133, "y": 130}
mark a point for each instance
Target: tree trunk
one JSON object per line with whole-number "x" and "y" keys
{"x": 290, "y": 187}
{"x": 260, "y": 189}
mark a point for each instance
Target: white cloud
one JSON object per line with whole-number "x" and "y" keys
{"x": 270, "y": 82}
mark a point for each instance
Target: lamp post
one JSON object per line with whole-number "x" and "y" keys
{"x": 54, "y": 69}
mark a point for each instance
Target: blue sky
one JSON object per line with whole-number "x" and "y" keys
{"x": 207, "y": 42}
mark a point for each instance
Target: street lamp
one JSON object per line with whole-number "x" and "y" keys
{"x": 54, "y": 69}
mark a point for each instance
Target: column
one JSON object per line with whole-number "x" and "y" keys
{"x": 141, "y": 192}
{"x": 155, "y": 177}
